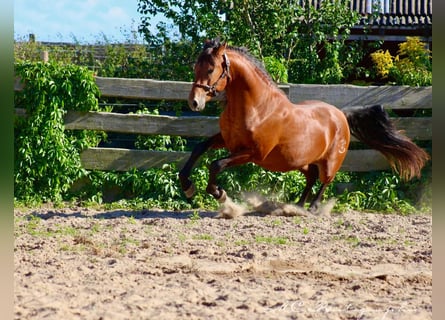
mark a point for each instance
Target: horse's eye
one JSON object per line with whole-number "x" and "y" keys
{"x": 210, "y": 71}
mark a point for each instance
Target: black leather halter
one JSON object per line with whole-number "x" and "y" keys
{"x": 211, "y": 90}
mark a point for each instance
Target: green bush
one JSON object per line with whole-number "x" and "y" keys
{"x": 412, "y": 66}
{"x": 276, "y": 68}
{"x": 47, "y": 157}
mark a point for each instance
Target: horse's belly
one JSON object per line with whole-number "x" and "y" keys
{"x": 277, "y": 161}
{"x": 276, "y": 165}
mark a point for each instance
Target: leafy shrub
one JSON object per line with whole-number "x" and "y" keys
{"x": 321, "y": 54}
{"x": 309, "y": 38}
{"x": 276, "y": 68}
{"x": 47, "y": 157}
{"x": 412, "y": 66}
{"x": 383, "y": 62}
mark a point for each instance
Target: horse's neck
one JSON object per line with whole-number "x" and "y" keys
{"x": 248, "y": 88}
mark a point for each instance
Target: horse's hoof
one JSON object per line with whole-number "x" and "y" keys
{"x": 313, "y": 209}
{"x": 222, "y": 197}
{"x": 190, "y": 192}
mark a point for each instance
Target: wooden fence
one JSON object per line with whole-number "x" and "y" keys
{"x": 392, "y": 97}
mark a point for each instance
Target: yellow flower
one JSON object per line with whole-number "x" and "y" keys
{"x": 383, "y": 62}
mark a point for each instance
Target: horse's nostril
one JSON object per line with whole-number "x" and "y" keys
{"x": 195, "y": 103}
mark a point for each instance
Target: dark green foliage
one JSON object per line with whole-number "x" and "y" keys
{"x": 47, "y": 158}
{"x": 385, "y": 192}
{"x": 309, "y": 41}
{"x": 277, "y": 69}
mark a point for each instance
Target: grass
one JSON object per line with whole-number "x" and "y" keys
{"x": 275, "y": 222}
{"x": 194, "y": 217}
{"x": 242, "y": 242}
{"x": 182, "y": 237}
{"x": 271, "y": 240}
{"x": 71, "y": 238}
{"x": 203, "y": 236}
{"x": 131, "y": 220}
{"x": 297, "y": 220}
{"x": 353, "y": 240}
{"x": 35, "y": 228}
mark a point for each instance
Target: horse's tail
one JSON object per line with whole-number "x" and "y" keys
{"x": 371, "y": 125}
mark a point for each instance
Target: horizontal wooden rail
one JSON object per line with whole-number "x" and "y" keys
{"x": 340, "y": 95}
{"x": 199, "y": 126}
{"x": 143, "y": 88}
{"x": 126, "y": 159}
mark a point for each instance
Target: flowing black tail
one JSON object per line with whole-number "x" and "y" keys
{"x": 371, "y": 125}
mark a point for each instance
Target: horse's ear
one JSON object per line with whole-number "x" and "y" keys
{"x": 221, "y": 48}
{"x": 208, "y": 46}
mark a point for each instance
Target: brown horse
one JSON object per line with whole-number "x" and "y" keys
{"x": 260, "y": 125}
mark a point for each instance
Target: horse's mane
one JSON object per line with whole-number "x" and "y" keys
{"x": 243, "y": 51}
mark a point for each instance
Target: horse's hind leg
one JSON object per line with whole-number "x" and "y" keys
{"x": 311, "y": 175}
{"x": 327, "y": 171}
{"x": 316, "y": 201}
{"x": 187, "y": 186}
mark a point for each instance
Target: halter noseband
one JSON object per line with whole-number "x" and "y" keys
{"x": 226, "y": 72}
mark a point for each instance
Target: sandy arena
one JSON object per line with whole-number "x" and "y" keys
{"x": 78, "y": 263}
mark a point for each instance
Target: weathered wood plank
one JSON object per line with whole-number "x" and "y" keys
{"x": 151, "y": 89}
{"x": 364, "y": 160}
{"x": 143, "y": 88}
{"x": 200, "y": 126}
{"x": 126, "y": 159}
{"x": 342, "y": 95}
{"x": 415, "y": 128}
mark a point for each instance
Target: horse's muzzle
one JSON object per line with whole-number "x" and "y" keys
{"x": 197, "y": 103}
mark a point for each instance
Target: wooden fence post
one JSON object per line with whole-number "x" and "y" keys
{"x": 44, "y": 56}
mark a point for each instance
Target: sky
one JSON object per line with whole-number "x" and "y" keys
{"x": 83, "y": 21}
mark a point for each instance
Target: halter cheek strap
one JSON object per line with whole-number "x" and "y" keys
{"x": 226, "y": 73}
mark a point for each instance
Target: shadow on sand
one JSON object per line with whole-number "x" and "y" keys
{"x": 120, "y": 213}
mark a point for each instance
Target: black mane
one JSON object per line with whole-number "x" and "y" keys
{"x": 210, "y": 45}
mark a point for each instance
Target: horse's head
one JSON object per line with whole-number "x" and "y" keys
{"x": 212, "y": 72}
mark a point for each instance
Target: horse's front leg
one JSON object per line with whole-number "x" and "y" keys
{"x": 219, "y": 165}
{"x": 187, "y": 186}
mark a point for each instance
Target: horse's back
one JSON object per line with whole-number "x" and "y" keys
{"x": 321, "y": 113}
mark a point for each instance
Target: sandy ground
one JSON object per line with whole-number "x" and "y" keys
{"x": 78, "y": 263}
